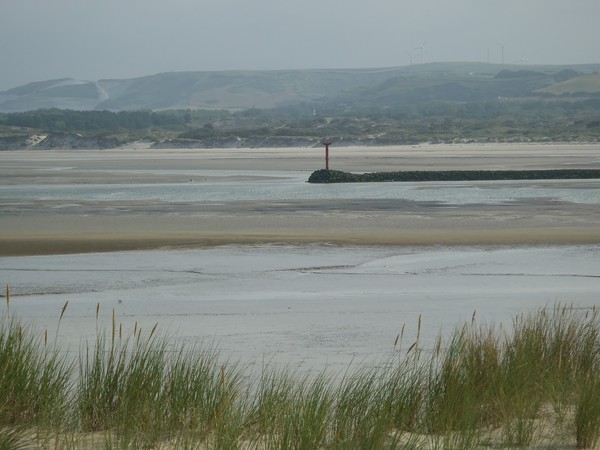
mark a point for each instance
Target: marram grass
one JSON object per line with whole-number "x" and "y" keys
{"x": 535, "y": 385}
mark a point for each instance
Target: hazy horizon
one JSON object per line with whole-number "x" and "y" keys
{"x": 116, "y": 39}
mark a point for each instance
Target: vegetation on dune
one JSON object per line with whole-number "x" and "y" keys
{"x": 535, "y": 385}
{"x": 434, "y": 122}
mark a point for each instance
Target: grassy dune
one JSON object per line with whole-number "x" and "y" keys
{"x": 533, "y": 385}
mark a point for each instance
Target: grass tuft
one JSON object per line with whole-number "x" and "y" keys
{"x": 587, "y": 412}
{"x": 481, "y": 386}
{"x": 12, "y": 438}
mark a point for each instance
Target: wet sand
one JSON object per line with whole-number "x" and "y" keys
{"x": 47, "y": 227}
{"x": 79, "y": 236}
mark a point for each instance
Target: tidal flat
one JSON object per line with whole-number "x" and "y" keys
{"x": 233, "y": 246}
{"x": 310, "y": 307}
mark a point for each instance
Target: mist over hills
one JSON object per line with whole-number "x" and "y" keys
{"x": 238, "y": 90}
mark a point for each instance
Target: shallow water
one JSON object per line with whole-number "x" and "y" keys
{"x": 293, "y": 186}
{"x": 311, "y": 307}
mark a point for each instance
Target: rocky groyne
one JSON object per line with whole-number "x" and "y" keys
{"x": 336, "y": 176}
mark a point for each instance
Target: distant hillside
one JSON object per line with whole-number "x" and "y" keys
{"x": 238, "y": 90}
{"x": 474, "y": 87}
{"x": 585, "y": 84}
{"x": 233, "y": 90}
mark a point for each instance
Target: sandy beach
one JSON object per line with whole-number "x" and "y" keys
{"x": 59, "y": 225}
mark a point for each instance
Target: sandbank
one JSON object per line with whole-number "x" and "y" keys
{"x": 55, "y": 226}
{"x": 19, "y": 245}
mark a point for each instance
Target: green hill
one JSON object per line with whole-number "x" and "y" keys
{"x": 585, "y": 84}
{"x": 237, "y": 90}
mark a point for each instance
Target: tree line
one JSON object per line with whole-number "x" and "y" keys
{"x": 94, "y": 121}
{"x": 507, "y": 120}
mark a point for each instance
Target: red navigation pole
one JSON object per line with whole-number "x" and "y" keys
{"x": 326, "y": 143}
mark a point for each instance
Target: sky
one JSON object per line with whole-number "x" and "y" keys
{"x": 100, "y": 39}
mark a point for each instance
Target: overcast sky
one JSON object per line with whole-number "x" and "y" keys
{"x": 97, "y": 39}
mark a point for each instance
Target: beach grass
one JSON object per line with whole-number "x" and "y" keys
{"x": 533, "y": 384}
{"x": 33, "y": 377}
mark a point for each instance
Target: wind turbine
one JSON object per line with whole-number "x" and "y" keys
{"x": 523, "y": 61}
{"x": 502, "y": 54}
{"x": 421, "y": 52}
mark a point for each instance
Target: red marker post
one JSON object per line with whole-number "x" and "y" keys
{"x": 326, "y": 143}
